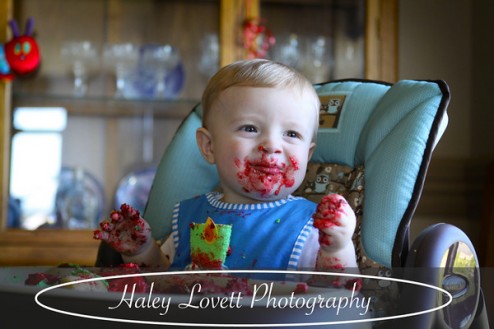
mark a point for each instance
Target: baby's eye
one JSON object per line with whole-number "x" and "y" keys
{"x": 248, "y": 128}
{"x": 293, "y": 134}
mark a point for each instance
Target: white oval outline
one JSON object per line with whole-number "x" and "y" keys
{"x": 244, "y": 325}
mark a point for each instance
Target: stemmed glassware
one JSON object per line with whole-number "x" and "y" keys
{"x": 313, "y": 56}
{"x": 122, "y": 58}
{"x": 288, "y": 51}
{"x": 210, "y": 50}
{"x": 159, "y": 60}
{"x": 318, "y": 59}
{"x": 81, "y": 55}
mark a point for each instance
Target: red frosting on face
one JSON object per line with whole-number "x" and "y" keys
{"x": 266, "y": 174}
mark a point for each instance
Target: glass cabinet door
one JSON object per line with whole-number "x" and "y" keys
{"x": 322, "y": 39}
{"x": 119, "y": 76}
{"x": 86, "y": 131}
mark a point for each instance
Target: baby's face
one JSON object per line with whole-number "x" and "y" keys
{"x": 262, "y": 141}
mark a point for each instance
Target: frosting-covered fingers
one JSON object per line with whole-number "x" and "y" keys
{"x": 103, "y": 233}
{"x": 131, "y": 238}
{"x": 116, "y": 216}
{"x": 106, "y": 225}
{"x": 333, "y": 210}
{"x": 125, "y": 231}
{"x": 100, "y": 235}
{"x": 336, "y": 221}
{"x": 129, "y": 212}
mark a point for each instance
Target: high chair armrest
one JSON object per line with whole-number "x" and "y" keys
{"x": 432, "y": 244}
{"x": 442, "y": 256}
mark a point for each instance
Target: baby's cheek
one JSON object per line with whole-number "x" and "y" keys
{"x": 299, "y": 170}
{"x": 293, "y": 175}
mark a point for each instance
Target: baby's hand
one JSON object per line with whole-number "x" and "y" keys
{"x": 336, "y": 222}
{"x": 125, "y": 231}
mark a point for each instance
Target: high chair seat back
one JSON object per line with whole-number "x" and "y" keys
{"x": 383, "y": 132}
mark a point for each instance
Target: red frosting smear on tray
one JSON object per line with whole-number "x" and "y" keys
{"x": 205, "y": 260}
{"x": 36, "y": 278}
{"x": 118, "y": 284}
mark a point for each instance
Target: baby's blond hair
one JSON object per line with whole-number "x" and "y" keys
{"x": 255, "y": 73}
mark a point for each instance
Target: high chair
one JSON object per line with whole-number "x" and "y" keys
{"x": 374, "y": 146}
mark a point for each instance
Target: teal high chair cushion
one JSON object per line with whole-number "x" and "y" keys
{"x": 386, "y": 130}
{"x": 182, "y": 173}
{"x": 390, "y": 130}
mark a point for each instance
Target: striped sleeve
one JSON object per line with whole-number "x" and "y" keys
{"x": 175, "y": 235}
{"x": 299, "y": 244}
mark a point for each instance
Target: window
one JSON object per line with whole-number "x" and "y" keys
{"x": 35, "y": 165}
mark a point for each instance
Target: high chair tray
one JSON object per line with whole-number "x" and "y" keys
{"x": 270, "y": 303}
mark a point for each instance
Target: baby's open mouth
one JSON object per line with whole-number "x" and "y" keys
{"x": 266, "y": 176}
{"x": 267, "y": 169}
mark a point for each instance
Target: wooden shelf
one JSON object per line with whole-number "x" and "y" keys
{"x": 47, "y": 247}
{"x": 109, "y": 107}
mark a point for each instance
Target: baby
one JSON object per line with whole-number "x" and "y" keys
{"x": 259, "y": 128}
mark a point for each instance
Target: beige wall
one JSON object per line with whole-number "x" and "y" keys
{"x": 440, "y": 40}
{"x": 435, "y": 43}
{"x": 483, "y": 79}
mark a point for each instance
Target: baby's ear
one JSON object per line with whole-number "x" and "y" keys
{"x": 205, "y": 143}
{"x": 311, "y": 150}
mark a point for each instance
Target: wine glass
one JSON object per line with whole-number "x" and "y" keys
{"x": 122, "y": 58}
{"x": 80, "y": 55}
{"x": 318, "y": 59}
{"x": 210, "y": 50}
{"x": 288, "y": 51}
{"x": 159, "y": 59}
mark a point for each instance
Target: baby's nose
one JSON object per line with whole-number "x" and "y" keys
{"x": 268, "y": 148}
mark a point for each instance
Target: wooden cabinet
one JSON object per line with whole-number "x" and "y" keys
{"x": 181, "y": 23}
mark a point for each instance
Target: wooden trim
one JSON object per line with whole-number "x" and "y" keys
{"x": 229, "y": 35}
{"x": 5, "y": 118}
{"x": 381, "y": 45}
{"x": 233, "y": 13}
{"x": 114, "y": 21}
{"x": 5, "y": 113}
{"x": 47, "y": 247}
{"x": 252, "y": 9}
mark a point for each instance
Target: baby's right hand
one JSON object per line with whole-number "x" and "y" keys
{"x": 125, "y": 231}
{"x": 335, "y": 221}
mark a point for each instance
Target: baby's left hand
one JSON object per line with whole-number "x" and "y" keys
{"x": 336, "y": 222}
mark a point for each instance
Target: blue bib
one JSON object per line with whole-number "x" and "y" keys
{"x": 264, "y": 236}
